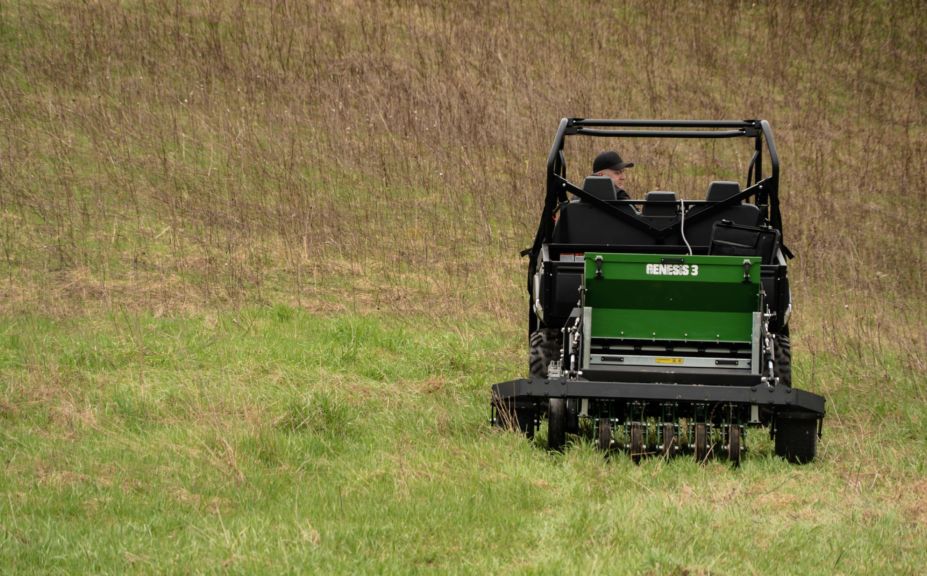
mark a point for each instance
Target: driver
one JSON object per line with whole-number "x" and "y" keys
{"x": 610, "y": 164}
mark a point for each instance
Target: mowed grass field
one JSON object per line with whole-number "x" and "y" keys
{"x": 272, "y": 440}
{"x": 259, "y": 268}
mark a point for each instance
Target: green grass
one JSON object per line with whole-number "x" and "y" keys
{"x": 271, "y": 439}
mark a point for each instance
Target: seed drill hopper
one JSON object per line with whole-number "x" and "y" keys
{"x": 661, "y": 326}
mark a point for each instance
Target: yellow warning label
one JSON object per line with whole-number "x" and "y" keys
{"x": 670, "y": 361}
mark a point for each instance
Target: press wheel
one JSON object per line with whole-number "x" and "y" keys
{"x": 701, "y": 442}
{"x": 604, "y": 439}
{"x": 669, "y": 440}
{"x": 734, "y": 445}
{"x": 556, "y": 424}
{"x": 637, "y": 442}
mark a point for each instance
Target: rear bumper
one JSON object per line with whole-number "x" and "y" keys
{"x": 781, "y": 399}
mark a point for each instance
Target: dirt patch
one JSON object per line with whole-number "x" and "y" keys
{"x": 916, "y": 506}
{"x": 430, "y": 386}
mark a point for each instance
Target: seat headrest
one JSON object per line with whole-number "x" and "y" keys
{"x": 656, "y": 210}
{"x": 601, "y": 187}
{"x": 722, "y": 190}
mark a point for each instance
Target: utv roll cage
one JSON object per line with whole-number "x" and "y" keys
{"x": 762, "y": 190}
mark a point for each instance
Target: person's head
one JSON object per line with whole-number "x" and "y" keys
{"x": 610, "y": 164}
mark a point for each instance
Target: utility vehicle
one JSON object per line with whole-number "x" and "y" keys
{"x": 661, "y": 326}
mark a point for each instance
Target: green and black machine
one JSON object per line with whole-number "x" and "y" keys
{"x": 661, "y": 326}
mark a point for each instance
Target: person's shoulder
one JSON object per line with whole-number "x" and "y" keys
{"x": 621, "y": 194}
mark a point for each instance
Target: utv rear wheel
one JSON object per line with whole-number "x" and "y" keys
{"x": 796, "y": 439}
{"x": 543, "y": 348}
{"x": 556, "y": 424}
{"x": 783, "y": 360}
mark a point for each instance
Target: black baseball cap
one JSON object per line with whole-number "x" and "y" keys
{"x": 610, "y": 160}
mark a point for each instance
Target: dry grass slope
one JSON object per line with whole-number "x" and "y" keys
{"x": 176, "y": 154}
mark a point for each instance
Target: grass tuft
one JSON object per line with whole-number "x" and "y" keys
{"x": 317, "y": 414}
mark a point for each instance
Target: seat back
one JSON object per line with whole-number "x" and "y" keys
{"x": 657, "y": 209}
{"x": 722, "y": 190}
{"x": 583, "y": 223}
{"x": 601, "y": 187}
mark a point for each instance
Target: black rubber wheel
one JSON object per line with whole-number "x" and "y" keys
{"x": 556, "y": 424}
{"x": 796, "y": 439}
{"x": 782, "y": 365}
{"x": 637, "y": 442}
{"x": 604, "y": 438}
{"x": 701, "y": 441}
{"x": 669, "y": 440}
{"x": 543, "y": 348}
{"x": 572, "y": 416}
{"x": 734, "y": 445}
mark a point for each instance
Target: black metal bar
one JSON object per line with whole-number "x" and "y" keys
{"x": 751, "y": 166}
{"x": 740, "y": 133}
{"x": 758, "y": 155}
{"x": 774, "y": 396}
{"x": 664, "y": 123}
{"x": 773, "y": 155}
{"x": 557, "y": 147}
{"x": 775, "y": 216}
{"x": 546, "y": 225}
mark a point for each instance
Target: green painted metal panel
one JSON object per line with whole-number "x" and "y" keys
{"x": 689, "y": 325}
{"x": 654, "y": 296}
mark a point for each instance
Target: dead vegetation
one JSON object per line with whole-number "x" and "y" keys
{"x": 356, "y": 156}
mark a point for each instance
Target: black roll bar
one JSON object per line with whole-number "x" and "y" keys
{"x": 739, "y": 133}
{"x": 766, "y": 190}
{"x": 663, "y": 123}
